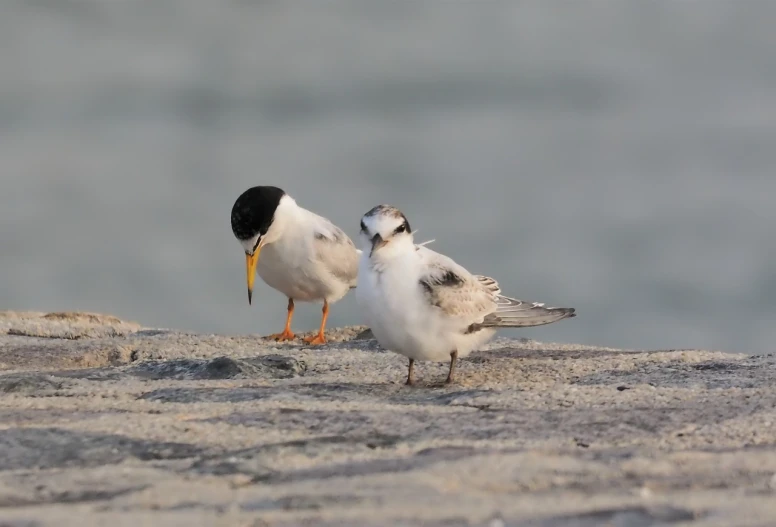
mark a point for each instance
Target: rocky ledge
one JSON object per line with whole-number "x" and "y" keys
{"x": 104, "y": 422}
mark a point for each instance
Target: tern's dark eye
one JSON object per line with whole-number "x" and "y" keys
{"x": 363, "y": 227}
{"x": 401, "y": 228}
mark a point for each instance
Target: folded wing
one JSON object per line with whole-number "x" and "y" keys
{"x": 476, "y": 300}
{"x": 336, "y": 251}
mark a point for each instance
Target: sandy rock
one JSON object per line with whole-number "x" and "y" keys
{"x": 64, "y": 325}
{"x": 107, "y": 422}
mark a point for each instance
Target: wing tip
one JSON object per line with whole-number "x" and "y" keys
{"x": 562, "y": 312}
{"x": 549, "y": 316}
{"x": 570, "y": 312}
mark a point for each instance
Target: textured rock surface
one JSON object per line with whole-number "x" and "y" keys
{"x": 103, "y": 422}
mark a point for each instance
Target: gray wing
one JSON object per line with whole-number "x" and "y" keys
{"x": 336, "y": 251}
{"x": 514, "y": 313}
{"x": 477, "y": 300}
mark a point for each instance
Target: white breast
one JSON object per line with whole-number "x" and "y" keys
{"x": 289, "y": 266}
{"x": 396, "y": 311}
{"x": 282, "y": 266}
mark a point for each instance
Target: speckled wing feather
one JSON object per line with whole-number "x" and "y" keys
{"x": 336, "y": 251}
{"x": 477, "y": 300}
{"x": 454, "y": 290}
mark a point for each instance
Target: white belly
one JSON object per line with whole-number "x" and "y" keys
{"x": 289, "y": 268}
{"x": 397, "y": 313}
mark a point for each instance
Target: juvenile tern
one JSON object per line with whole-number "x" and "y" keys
{"x": 423, "y": 305}
{"x": 304, "y": 256}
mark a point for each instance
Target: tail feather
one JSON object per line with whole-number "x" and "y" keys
{"x": 515, "y": 313}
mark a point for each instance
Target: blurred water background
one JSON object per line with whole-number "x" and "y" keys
{"x": 615, "y": 156}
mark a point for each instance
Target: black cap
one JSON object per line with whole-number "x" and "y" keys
{"x": 254, "y": 211}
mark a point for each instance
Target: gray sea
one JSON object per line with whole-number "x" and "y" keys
{"x": 614, "y": 156}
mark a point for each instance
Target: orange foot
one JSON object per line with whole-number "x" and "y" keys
{"x": 317, "y": 339}
{"x": 286, "y": 335}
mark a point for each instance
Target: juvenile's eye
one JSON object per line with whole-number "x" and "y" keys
{"x": 401, "y": 228}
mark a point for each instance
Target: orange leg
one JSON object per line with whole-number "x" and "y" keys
{"x": 286, "y": 335}
{"x": 319, "y": 338}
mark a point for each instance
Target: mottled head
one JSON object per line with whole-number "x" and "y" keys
{"x": 252, "y": 216}
{"x": 385, "y": 230}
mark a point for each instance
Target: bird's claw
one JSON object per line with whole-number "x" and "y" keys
{"x": 316, "y": 339}
{"x": 286, "y": 335}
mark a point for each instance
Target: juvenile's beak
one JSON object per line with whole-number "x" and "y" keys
{"x": 250, "y": 267}
{"x": 377, "y": 242}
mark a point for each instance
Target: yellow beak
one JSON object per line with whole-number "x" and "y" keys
{"x": 250, "y": 267}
